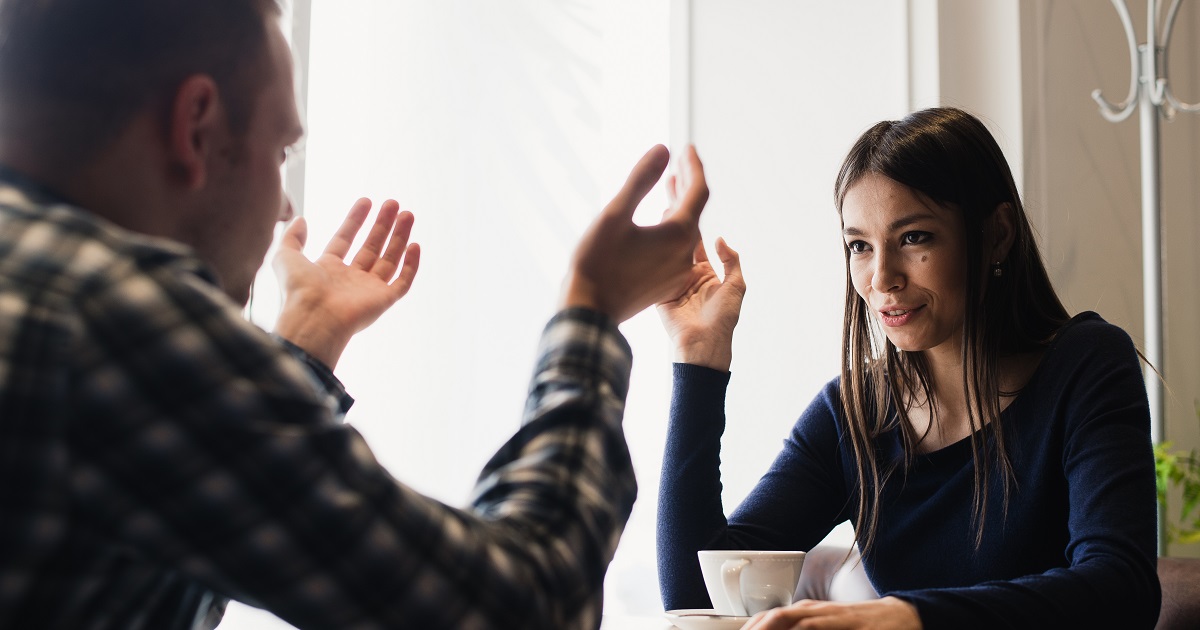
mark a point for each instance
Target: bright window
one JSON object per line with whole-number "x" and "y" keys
{"x": 504, "y": 127}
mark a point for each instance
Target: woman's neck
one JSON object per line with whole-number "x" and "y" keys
{"x": 951, "y": 422}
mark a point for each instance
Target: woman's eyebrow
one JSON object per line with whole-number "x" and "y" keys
{"x": 898, "y": 224}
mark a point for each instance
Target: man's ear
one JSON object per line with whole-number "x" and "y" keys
{"x": 1001, "y": 231}
{"x": 195, "y": 129}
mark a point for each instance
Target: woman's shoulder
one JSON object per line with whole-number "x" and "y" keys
{"x": 819, "y": 422}
{"x": 827, "y": 403}
{"x": 1088, "y": 340}
{"x": 1089, "y": 331}
{"x": 826, "y": 408}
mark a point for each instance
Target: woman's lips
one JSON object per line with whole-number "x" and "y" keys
{"x": 896, "y": 316}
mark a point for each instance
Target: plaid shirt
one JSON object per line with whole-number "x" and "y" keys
{"x": 159, "y": 454}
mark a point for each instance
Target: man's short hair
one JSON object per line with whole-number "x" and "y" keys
{"x": 74, "y": 73}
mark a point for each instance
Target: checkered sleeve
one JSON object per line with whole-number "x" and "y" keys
{"x": 338, "y": 400}
{"x": 202, "y": 444}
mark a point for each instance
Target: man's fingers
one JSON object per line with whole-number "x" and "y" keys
{"x": 295, "y": 235}
{"x": 641, "y": 180}
{"x": 386, "y": 267}
{"x": 340, "y": 244}
{"x": 695, "y": 191}
{"x": 368, "y": 254}
{"x": 699, "y": 255}
{"x": 400, "y": 234}
{"x": 412, "y": 261}
{"x": 672, "y": 191}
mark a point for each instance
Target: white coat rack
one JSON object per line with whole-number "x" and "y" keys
{"x": 1150, "y": 94}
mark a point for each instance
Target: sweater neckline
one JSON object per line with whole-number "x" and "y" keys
{"x": 956, "y": 451}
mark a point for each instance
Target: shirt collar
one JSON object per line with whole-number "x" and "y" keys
{"x": 34, "y": 190}
{"x": 41, "y": 195}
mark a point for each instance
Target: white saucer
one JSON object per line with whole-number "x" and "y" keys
{"x": 713, "y": 620}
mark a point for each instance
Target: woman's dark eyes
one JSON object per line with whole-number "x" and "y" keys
{"x": 908, "y": 238}
{"x": 915, "y": 238}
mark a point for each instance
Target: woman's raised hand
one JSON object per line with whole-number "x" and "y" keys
{"x": 700, "y": 321}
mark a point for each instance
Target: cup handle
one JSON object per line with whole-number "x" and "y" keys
{"x": 731, "y": 576}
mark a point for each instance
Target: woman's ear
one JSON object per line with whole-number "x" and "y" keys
{"x": 1001, "y": 231}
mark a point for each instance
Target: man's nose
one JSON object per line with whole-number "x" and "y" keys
{"x": 287, "y": 211}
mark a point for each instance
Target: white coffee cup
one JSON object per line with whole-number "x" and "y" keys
{"x": 744, "y": 583}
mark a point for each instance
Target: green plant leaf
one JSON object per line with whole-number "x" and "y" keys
{"x": 1188, "y": 538}
{"x": 1182, "y": 470}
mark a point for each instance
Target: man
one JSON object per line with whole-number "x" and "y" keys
{"x": 159, "y": 454}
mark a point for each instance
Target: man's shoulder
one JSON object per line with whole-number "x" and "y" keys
{"x": 57, "y": 248}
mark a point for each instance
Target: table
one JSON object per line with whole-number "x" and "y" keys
{"x": 635, "y": 622}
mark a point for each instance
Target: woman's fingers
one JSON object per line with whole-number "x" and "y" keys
{"x": 731, "y": 261}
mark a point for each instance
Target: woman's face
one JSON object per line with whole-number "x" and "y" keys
{"x": 908, "y": 263}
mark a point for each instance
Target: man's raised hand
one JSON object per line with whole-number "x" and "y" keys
{"x": 327, "y": 300}
{"x": 620, "y": 268}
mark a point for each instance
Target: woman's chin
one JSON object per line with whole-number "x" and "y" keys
{"x": 907, "y": 344}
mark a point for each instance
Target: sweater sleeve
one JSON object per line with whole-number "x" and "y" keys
{"x": 1109, "y": 578}
{"x": 794, "y": 505}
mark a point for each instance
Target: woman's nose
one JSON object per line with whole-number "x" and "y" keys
{"x": 888, "y": 276}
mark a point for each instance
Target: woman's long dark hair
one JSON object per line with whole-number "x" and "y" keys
{"x": 948, "y": 156}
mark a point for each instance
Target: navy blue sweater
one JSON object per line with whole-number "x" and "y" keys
{"x": 1076, "y": 550}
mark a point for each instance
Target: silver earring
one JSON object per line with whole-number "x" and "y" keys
{"x": 997, "y": 271}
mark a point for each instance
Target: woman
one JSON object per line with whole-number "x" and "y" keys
{"x": 992, "y": 452}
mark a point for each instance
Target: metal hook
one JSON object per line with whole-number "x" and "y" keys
{"x": 1121, "y": 111}
{"x": 1162, "y": 92}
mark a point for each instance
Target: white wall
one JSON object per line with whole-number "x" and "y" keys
{"x": 966, "y": 55}
{"x": 780, "y": 90}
